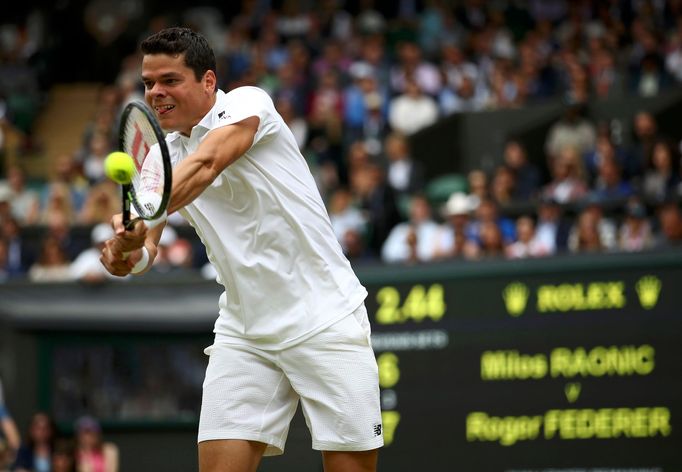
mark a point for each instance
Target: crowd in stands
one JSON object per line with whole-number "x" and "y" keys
{"x": 354, "y": 84}
{"x": 45, "y": 449}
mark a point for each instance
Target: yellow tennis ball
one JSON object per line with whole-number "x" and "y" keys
{"x": 119, "y": 167}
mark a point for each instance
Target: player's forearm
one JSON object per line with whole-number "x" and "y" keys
{"x": 190, "y": 178}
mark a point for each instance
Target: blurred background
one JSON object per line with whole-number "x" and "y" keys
{"x": 505, "y": 177}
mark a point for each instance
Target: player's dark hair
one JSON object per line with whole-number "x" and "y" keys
{"x": 198, "y": 54}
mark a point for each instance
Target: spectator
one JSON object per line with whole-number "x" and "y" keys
{"x": 468, "y": 96}
{"x": 662, "y": 178}
{"x": 345, "y": 216}
{"x": 488, "y": 211}
{"x": 607, "y": 231}
{"x": 25, "y": 203}
{"x": 93, "y": 162}
{"x": 66, "y": 172}
{"x": 552, "y": 229}
{"x": 412, "y": 72}
{"x": 568, "y": 182}
{"x": 489, "y": 243}
{"x": 87, "y": 266}
{"x": 9, "y": 434}
{"x": 586, "y": 236}
{"x": 59, "y": 201}
{"x": 670, "y": 223}
{"x": 645, "y": 137}
{"x": 52, "y": 264}
{"x": 526, "y": 174}
{"x": 101, "y": 203}
{"x": 610, "y": 184}
{"x": 64, "y": 457}
{"x": 452, "y": 237}
{"x": 36, "y": 453}
{"x": 412, "y": 111}
{"x": 478, "y": 186}
{"x": 19, "y": 255}
{"x": 415, "y": 240}
{"x": 572, "y": 130}
{"x": 527, "y": 244}
{"x": 502, "y": 186}
{"x": 635, "y": 233}
{"x": 92, "y": 453}
{"x": 405, "y": 175}
{"x": 377, "y": 200}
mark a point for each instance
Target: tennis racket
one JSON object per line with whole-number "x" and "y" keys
{"x": 141, "y": 137}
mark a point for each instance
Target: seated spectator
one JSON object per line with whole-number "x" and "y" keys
{"x": 526, "y": 174}
{"x": 610, "y": 184}
{"x": 567, "y": 184}
{"x": 93, "y": 162}
{"x": 635, "y": 233}
{"x": 452, "y": 237}
{"x": 489, "y": 243}
{"x": 478, "y": 186}
{"x": 10, "y": 439}
{"x": 52, "y": 264}
{"x": 468, "y": 96}
{"x": 101, "y": 203}
{"x": 662, "y": 178}
{"x": 19, "y": 254}
{"x": 35, "y": 454}
{"x": 87, "y": 266}
{"x": 92, "y": 452}
{"x": 344, "y": 216}
{"x": 488, "y": 211}
{"x": 24, "y": 203}
{"x": 606, "y": 227}
{"x": 414, "y": 240}
{"x": 552, "y": 229}
{"x": 412, "y": 111}
{"x": 670, "y": 223}
{"x": 586, "y": 237}
{"x": 527, "y": 244}
{"x": 66, "y": 172}
{"x": 502, "y": 186}
{"x": 405, "y": 175}
{"x": 59, "y": 200}
{"x": 64, "y": 457}
{"x": 571, "y": 131}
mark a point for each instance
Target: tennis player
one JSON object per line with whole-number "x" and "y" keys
{"x": 292, "y": 323}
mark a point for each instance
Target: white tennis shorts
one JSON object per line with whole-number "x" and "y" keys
{"x": 253, "y": 394}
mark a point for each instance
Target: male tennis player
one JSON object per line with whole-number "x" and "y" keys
{"x": 292, "y": 323}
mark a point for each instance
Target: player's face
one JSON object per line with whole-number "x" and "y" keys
{"x": 171, "y": 89}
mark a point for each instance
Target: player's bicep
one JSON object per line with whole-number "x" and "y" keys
{"x": 223, "y": 146}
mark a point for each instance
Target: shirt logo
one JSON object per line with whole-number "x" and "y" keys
{"x": 222, "y": 116}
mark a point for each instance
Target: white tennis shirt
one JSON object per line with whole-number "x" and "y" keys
{"x": 267, "y": 233}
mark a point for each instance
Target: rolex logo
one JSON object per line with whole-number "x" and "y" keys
{"x": 648, "y": 289}
{"x": 515, "y": 297}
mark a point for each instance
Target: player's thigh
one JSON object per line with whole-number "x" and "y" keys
{"x": 335, "y": 374}
{"x": 350, "y": 461}
{"x": 246, "y": 396}
{"x": 230, "y": 455}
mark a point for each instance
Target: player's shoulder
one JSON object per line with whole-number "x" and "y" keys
{"x": 248, "y": 93}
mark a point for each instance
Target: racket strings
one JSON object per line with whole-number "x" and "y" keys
{"x": 138, "y": 139}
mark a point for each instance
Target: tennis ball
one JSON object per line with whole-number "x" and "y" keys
{"x": 119, "y": 167}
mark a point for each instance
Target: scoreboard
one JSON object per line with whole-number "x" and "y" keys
{"x": 571, "y": 367}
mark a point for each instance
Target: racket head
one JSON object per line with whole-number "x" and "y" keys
{"x": 141, "y": 137}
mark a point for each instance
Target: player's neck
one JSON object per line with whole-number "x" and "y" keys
{"x": 206, "y": 110}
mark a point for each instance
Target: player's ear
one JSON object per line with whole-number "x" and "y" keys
{"x": 210, "y": 81}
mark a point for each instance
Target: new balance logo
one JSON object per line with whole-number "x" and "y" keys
{"x": 223, "y": 116}
{"x": 377, "y": 429}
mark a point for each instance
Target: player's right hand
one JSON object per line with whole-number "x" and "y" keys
{"x": 122, "y": 252}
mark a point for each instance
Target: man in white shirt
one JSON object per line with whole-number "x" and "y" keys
{"x": 292, "y": 324}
